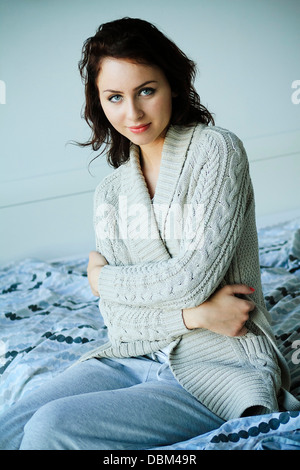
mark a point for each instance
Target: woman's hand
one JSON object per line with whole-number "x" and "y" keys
{"x": 223, "y": 312}
{"x": 96, "y": 263}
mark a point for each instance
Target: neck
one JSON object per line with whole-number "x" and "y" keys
{"x": 150, "y": 165}
{"x": 151, "y": 157}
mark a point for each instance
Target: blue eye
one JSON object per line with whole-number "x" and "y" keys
{"x": 147, "y": 91}
{"x": 115, "y": 98}
{"x": 142, "y": 92}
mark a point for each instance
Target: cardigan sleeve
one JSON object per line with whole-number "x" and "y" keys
{"x": 128, "y": 323}
{"x": 188, "y": 279}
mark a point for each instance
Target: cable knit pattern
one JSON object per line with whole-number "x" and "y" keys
{"x": 197, "y": 235}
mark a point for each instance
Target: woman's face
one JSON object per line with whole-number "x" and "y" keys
{"x": 136, "y": 99}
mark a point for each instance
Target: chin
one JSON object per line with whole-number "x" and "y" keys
{"x": 141, "y": 140}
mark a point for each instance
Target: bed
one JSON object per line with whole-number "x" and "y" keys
{"x": 49, "y": 318}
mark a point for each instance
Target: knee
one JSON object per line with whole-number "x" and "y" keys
{"x": 44, "y": 430}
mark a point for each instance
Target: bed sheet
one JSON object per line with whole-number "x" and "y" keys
{"x": 49, "y": 318}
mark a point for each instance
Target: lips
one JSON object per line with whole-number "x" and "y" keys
{"x": 140, "y": 129}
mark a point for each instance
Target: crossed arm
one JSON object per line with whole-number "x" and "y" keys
{"x": 225, "y": 195}
{"x": 223, "y": 312}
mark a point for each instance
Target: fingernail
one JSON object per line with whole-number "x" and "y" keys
{"x": 252, "y": 290}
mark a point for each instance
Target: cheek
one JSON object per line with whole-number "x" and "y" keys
{"x": 110, "y": 113}
{"x": 164, "y": 107}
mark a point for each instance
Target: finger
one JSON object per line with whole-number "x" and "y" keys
{"x": 95, "y": 254}
{"x": 240, "y": 289}
{"x": 95, "y": 293}
{"x": 245, "y": 305}
{"x": 95, "y": 258}
{"x": 251, "y": 305}
{"x": 242, "y": 332}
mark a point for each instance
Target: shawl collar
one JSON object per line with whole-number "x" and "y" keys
{"x": 144, "y": 227}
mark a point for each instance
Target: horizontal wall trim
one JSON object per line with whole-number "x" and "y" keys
{"x": 277, "y": 145}
{"x": 46, "y": 199}
{"x": 64, "y": 183}
{"x": 275, "y": 156}
{"x": 49, "y": 186}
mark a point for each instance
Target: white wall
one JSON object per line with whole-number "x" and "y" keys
{"x": 248, "y": 57}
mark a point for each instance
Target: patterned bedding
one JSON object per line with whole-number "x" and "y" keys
{"x": 49, "y": 318}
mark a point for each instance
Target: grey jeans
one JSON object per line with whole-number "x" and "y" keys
{"x": 132, "y": 403}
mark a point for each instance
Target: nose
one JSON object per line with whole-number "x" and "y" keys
{"x": 134, "y": 110}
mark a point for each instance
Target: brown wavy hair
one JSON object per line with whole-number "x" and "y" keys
{"x": 132, "y": 38}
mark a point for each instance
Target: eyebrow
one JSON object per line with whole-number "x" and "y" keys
{"x": 140, "y": 86}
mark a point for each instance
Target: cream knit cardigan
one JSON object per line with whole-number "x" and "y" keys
{"x": 153, "y": 272}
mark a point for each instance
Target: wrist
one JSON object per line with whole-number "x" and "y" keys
{"x": 194, "y": 317}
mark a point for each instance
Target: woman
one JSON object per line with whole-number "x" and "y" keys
{"x": 190, "y": 344}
